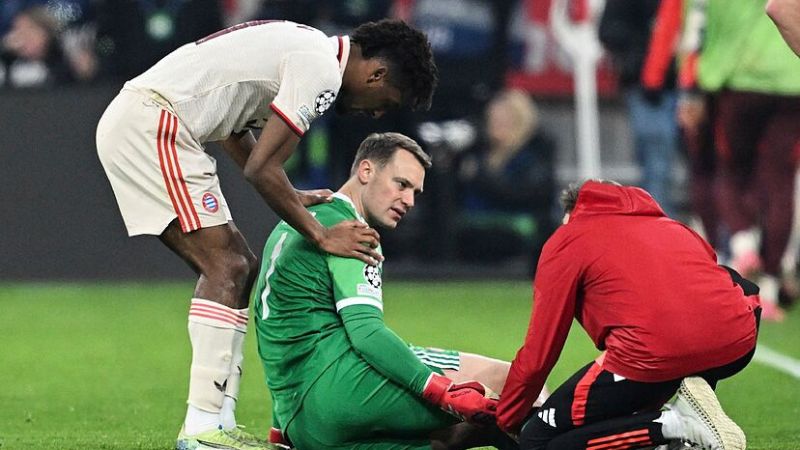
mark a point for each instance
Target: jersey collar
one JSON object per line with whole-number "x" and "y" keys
{"x": 349, "y": 201}
{"x": 341, "y": 45}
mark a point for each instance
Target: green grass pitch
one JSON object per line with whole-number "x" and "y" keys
{"x": 105, "y": 366}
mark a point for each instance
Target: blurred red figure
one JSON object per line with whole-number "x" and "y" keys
{"x": 755, "y": 96}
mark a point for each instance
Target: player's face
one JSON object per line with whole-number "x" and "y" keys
{"x": 373, "y": 98}
{"x": 391, "y": 190}
{"x": 372, "y": 102}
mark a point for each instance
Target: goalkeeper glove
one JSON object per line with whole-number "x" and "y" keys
{"x": 276, "y": 437}
{"x": 466, "y": 401}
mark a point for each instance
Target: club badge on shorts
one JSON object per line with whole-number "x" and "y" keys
{"x": 210, "y": 202}
{"x": 324, "y": 101}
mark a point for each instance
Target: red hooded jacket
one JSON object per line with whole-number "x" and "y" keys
{"x": 647, "y": 290}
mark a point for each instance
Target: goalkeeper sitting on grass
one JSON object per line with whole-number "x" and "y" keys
{"x": 339, "y": 378}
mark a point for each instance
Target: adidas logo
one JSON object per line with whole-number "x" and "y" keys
{"x": 548, "y": 416}
{"x": 221, "y": 387}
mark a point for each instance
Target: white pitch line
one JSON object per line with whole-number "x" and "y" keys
{"x": 777, "y": 360}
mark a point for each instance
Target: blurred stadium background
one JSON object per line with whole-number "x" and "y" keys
{"x": 74, "y": 289}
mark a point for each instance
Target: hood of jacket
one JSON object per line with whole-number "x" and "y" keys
{"x": 597, "y": 198}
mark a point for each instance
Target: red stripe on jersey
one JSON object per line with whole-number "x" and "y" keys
{"x": 341, "y": 49}
{"x": 214, "y": 317}
{"x": 180, "y": 176}
{"x": 161, "y": 156}
{"x": 212, "y": 310}
{"x": 581, "y": 395}
{"x": 286, "y": 119}
{"x": 186, "y": 222}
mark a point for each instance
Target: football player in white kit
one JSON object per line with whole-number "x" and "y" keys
{"x": 273, "y": 75}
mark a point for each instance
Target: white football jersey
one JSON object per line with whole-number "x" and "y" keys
{"x": 237, "y": 78}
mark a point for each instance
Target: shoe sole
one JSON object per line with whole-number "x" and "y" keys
{"x": 211, "y": 446}
{"x": 703, "y": 400}
{"x": 200, "y": 445}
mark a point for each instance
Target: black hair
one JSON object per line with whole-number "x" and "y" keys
{"x": 380, "y": 147}
{"x": 408, "y": 54}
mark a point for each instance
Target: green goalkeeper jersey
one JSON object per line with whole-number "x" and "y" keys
{"x": 312, "y": 307}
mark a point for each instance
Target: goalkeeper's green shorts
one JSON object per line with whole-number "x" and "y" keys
{"x": 353, "y": 406}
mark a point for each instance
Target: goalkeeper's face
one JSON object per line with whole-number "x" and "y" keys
{"x": 390, "y": 191}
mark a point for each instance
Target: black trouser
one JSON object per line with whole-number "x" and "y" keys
{"x": 595, "y": 409}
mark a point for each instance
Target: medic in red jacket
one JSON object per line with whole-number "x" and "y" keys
{"x": 647, "y": 290}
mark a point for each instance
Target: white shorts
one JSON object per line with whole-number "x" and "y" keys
{"x": 157, "y": 170}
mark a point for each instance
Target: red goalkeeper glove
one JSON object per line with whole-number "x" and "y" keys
{"x": 466, "y": 401}
{"x": 276, "y": 437}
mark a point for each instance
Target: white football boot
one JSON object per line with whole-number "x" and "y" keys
{"x": 704, "y": 423}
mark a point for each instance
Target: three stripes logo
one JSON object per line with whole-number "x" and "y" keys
{"x": 210, "y": 202}
{"x": 548, "y": 416}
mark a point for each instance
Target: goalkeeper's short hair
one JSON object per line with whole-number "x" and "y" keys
{"x": 380, "y": 147}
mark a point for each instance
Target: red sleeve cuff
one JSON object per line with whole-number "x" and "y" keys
{"x": 286, "y": 119}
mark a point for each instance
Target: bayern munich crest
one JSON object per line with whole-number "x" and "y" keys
{"x": 324, "y": 101}
{"x": 373, "y": 276}
{"x": 210, "y": 202}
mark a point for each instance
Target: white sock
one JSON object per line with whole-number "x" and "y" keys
{"x": 671, "y": 427}
{"x": 198, "y": 421}
{"x": 227, "y": 415}
{"x": 212, "y": 331}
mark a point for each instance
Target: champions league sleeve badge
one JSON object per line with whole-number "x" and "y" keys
{"x": 324, "y": 101}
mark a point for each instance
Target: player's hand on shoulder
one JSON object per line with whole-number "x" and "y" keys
{"x": 352, "y": 239}
{"x": 314, "y": 196}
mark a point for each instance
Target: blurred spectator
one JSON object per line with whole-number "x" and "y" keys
{"x": 133, "y": 35}
{"x": 469, "y": 39}
{"x": 31, "y": 55}
{"x": 744, "y": 62}
{"x": 694, "y": 119}
{"x": 507, "y": 184}
{"x": 470, "y": 42}
{"x": 642, "y": 37}
{"x": 695, "y": 112}
{"x": 75, "y": 21}
{"x": 9, "y": 10}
